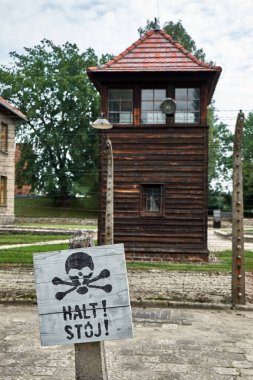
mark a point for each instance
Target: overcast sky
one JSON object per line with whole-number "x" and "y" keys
{"x": 223, "y": 28}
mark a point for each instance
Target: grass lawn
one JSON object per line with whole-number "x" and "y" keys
{"x": 29, "y": 238}
{"x": 23, "y": 255}
{"x": 224, "y": 264}
{"x": 44, "y": 208}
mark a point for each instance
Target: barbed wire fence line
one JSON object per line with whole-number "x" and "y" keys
{"x": 218, "y": 241}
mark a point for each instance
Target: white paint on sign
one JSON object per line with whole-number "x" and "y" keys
{"x": 83, "y": 295}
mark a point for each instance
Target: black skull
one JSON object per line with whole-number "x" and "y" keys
{"x": 79, "y": 267}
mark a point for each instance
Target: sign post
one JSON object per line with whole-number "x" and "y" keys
{"x": 90, "y": 359}
{"x": 83, "y": 297}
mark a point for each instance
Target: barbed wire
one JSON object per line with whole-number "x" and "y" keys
{"x": 214, "y": 110}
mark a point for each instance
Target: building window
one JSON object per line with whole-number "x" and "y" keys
{"x": 120, "y": 103}
{"x": 188, "y": 105}
{"x": 4, "y": 138}
{"x": 3, "y": 191}
{"x": 152, "y": 199}
{"x": 150, "y": 106}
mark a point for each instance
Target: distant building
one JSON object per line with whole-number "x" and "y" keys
{"x": 9, "y": 115}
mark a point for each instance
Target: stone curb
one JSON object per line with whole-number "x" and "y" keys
{"x": 154, "y": 304}
{"x": 44, "y": 230}
{"x": 41, "y": 220}
{"x": 225, "y": 236}
{"x": 188, "y": 305}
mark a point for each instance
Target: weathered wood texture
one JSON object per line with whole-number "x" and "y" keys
{"x": 109, "y": 195}
{"x": 70, "y": 314}
{"x": 238, "y": 268}
{"x": 175, "y": 157}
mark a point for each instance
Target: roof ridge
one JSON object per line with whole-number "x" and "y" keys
{"x": 166, "y": 37}
{"x": 188, "y": 53}
{"x": 129, "y": 49}
{"x": 170, "y": 39}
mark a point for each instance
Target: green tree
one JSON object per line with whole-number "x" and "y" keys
{"x": 50, "y": 85}
{"x": 219, "y": 162}
{"x": 247, "y": 152}
{"x": 26, "y": 166}
{"x": 220, "y": 152}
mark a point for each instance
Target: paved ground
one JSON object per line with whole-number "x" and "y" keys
{"x": 218, "y": 242}
{"x": 168, "y": 345}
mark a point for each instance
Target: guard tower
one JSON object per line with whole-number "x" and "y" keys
{"x": 160, "y": 161}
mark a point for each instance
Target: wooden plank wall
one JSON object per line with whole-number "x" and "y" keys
{"x": 175, "y": 157}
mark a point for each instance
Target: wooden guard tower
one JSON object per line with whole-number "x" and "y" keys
{"x": 160, "y": 162}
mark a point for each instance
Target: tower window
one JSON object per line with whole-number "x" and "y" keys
{"x": 188, "y": 105}
{"x": 120, "y": 103}
{"x": 150, "y": 106}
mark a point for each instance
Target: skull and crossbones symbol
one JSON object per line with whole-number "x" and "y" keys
{"x": 79, "y": 267}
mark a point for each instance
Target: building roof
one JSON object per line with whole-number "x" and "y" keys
{"x": 8, "y": 106}
{"x": 155, "y": 51}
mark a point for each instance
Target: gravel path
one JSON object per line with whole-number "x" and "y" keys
{"x": 147, "y": 286}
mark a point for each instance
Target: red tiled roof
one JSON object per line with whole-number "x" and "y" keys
{"x": 12, "y": 109}
{"x": 155, "y": 51}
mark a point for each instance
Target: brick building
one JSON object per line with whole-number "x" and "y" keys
{"x": 9, "y": 115}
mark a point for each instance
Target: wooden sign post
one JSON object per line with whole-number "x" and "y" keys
{"x": 89, "y": 357}
{"x": 83, "y": 295}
